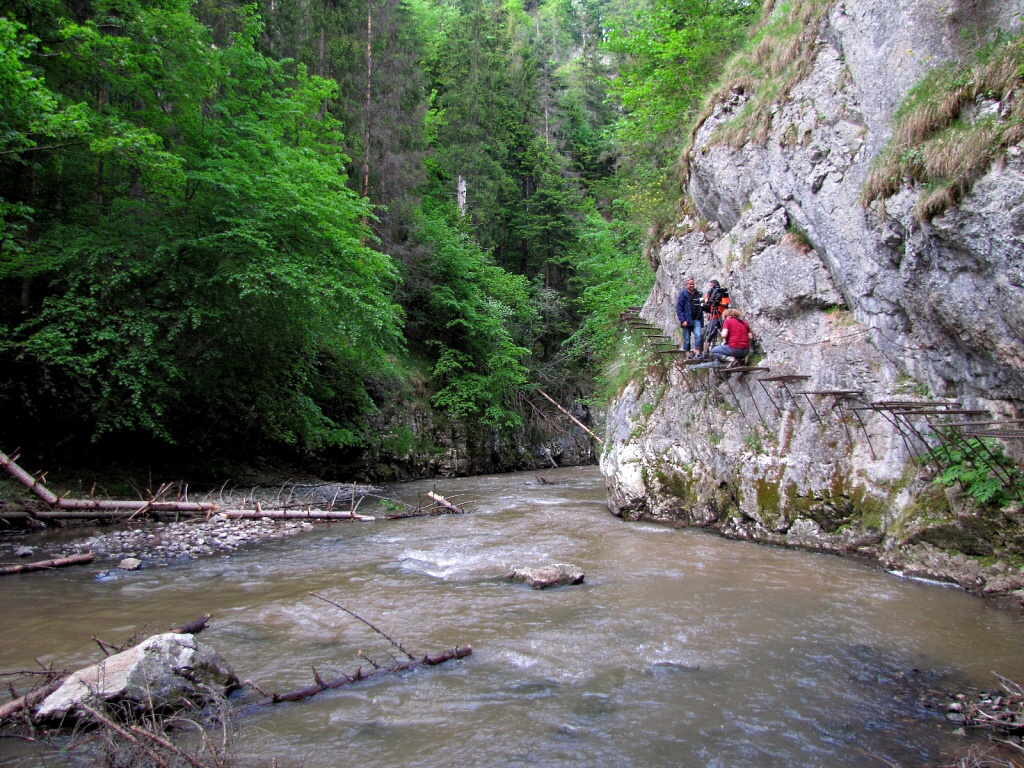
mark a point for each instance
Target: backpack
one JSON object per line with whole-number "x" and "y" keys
{"x": 718, "y": 299}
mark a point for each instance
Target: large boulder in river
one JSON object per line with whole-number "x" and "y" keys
{"x": 163, "y": 672}
{"x": 554, "y": 575}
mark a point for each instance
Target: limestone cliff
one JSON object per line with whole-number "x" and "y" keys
{"x": 873, "y": 302}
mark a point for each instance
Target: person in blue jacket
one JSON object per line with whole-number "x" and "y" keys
{"x": 690, "y": 312}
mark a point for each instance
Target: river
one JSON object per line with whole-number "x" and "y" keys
{"x": 680, "y": 649}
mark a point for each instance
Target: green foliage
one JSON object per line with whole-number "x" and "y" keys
{"x": 185, "y": 252}
{"x": 669, "y": 55}
{"x": 754, "y": 442}
{"x": 464, "y": 310}
{"x": 981, "y": 469}
{"x": 671, "y": 52}
{"x": 611, "y": 274}
{"x": 198, "y": 258}
{"x": 30, "y": 113}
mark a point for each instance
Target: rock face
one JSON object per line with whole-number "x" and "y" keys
{"x": 866, "y": 304}
{"x": 157, "y": 673}
{"x": 554, "y": 575}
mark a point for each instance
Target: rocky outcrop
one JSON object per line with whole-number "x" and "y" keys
{"x": 866, "y": 304}
{"x": 164, "y": 671}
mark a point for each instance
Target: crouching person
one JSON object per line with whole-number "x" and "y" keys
{"x": 736, "y": 339}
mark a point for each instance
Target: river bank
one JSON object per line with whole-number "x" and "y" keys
{"x": 748, "y": 655}
{"x": 146, "y": 544}
{"x": 139, "y": 541}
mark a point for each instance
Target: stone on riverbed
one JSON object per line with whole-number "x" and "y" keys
{"x": 554, "y": 575}
{"x": 163, "y": 672}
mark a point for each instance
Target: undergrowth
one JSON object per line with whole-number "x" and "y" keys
{"x": 981, "y": 468}
{"x": 953, "y": 127}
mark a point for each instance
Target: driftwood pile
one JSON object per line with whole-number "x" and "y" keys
{"x": 301, "y": 502}
{"x": 49, "y": 679}
{"x": 63, "y": 508}
{"x": 1000, "y": 710}
{"x": 170, "y": 503}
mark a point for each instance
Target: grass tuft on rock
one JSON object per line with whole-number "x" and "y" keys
{"x": 778, "y": 57}
{"x": 952, "y": 128}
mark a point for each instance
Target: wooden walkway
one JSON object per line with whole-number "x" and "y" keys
{"x": 933, "y": 430}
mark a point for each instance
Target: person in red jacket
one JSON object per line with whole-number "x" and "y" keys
{"x": 736, "y": 338}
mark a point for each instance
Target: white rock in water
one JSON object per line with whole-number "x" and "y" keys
{"x": 554, "y": 575}
{"x": 130, "y": 564}
{"x": 158, "y": 672}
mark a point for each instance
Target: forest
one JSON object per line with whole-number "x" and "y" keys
{"x": 236, "y": 230}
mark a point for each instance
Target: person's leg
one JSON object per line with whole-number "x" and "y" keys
{"x": 739, "y": 356}
{"x": 720, "y": 353}
{"x": 687, "y": 330}
{"x": 697, "y": 340}
{"x": 711, "y": 335}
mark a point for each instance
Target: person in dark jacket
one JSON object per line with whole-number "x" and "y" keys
{"x": 691, "y": 317}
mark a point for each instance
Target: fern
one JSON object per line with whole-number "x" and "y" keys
{"x": 981, "y": 468}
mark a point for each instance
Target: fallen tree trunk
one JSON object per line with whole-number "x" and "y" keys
{"x": 115, "y": 513}
{"x": 193, "y": 627}
{"x": 89, "y": 509}
{"x": 43, "y": 565}
{"x": 137, "y": 506}
{"x": 430, "y": 660}
{"x": 443, "y": 502}
{"x": 319, "y": 686}
{"x": 30, "y": 699}
{"x": 27, "y": 480}
{"x": 578, "y": 422}
{"x": 293, "y": 514}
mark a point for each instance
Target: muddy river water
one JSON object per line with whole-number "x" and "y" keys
{"x": 679, "y": 649}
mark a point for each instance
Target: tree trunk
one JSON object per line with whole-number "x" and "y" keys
{"x": 429, "y": 660}
{"x": 442, "y": 501}
{"x": 43, "y": 565}
{"x": 369, "y": 92}
{"x": 23, "y": 477}
{"x": 85, "y": 509}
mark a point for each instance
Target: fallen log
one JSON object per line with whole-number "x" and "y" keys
{"x": 114, "y": 512}
{"x": 111, "y": 509}
{"x": 30, "y": 699}
{"x": 137, "y": 506}
{"x": 33, "y": 484}
{"x": 42, "y": 565}
{"x": 430, "y": 660}
{"x": 320, "y": 685}
{"x": 443, "y": 502}
{"x": 293, "y": 514}
{"x": 577, "y": 421}
{"x": 193, "y": 627}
